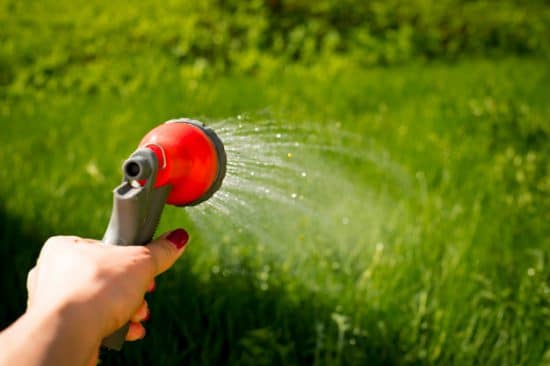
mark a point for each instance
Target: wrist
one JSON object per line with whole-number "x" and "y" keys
{"x": 68, "y": 321}
{"x": 48, "y": 336}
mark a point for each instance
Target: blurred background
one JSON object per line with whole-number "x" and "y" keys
{"x": 388, "y": 199}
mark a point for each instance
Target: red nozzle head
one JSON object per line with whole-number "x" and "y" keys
{"x": 191, "y": 159}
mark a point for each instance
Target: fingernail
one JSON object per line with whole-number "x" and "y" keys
{"x": 178, "y": 237}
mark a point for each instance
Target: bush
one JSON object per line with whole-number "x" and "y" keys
{"x": 53, "y": 44}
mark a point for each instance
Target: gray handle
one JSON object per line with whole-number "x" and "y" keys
{"x": 136, "y": 213}
{"x": 116, "y": 340}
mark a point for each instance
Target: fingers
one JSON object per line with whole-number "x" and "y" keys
{"x": 167, "y": 249}
{"x": 136, "y": 331}
{"x": 152, "y": 286}
{"x": 141, "y": 314}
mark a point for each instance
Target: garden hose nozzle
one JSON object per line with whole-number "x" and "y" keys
{"x": 182, "y": 163}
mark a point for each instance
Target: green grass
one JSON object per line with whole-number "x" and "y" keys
{"x": 423, "y": 234}
{"x": 444, "y": 257}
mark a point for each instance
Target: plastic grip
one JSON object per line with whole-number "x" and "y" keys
{"x": 136, "y": 213}
{"x": 116, "y": 340}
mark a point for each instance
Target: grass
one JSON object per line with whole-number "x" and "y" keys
{"x": 429, "y": 238}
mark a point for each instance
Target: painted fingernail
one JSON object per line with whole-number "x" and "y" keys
{"x": 178, "y": 237}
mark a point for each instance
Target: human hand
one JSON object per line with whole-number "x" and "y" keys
{"x": 100, "y": 287}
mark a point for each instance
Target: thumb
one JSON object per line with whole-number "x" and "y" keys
{"x": 167, "y": 249}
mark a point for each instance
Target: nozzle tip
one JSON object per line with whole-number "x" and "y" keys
{"x": 132, "y": 169}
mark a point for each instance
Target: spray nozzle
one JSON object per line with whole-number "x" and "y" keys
{"x": 191, "y": 160}
{"x": 136, "y": 168}
{"x": 180, "y": 162}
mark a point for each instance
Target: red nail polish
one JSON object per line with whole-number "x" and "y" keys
{"x": 178, "y": 237}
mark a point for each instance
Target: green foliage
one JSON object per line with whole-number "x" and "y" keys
{"x": 247, "y": 36}
{"x": 442, "y": 257}
{"x": 427, "y": 237}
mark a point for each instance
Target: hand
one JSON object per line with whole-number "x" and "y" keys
{"x": 97, "y": 287}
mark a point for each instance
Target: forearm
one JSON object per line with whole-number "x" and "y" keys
{"x": 52, "y": 338}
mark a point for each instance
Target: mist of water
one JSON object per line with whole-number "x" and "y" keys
{"x": 293, "y": 186}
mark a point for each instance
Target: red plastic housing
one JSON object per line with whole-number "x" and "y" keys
{"x": 187, "y": 160}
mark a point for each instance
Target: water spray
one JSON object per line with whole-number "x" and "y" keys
{"x": 181, "y": 163}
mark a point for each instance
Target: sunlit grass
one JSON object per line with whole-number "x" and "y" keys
{"x": 422, "y": 237}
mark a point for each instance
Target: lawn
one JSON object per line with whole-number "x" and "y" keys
{"x": 419, "y": 234}
{"x": 387, "y": 198}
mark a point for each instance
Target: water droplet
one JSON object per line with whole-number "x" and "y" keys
{"x": 289, "y": 155}
{"x": 252, "y": 173}
{"x": 293, "y": 195}
{"x": 256, "y": 129}
{"x": 278, "y": 135}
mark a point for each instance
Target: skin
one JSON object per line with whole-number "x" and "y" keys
{"x": 80, "y": 292}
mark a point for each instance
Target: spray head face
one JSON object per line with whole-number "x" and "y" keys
{"x": 191, "y": 160}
